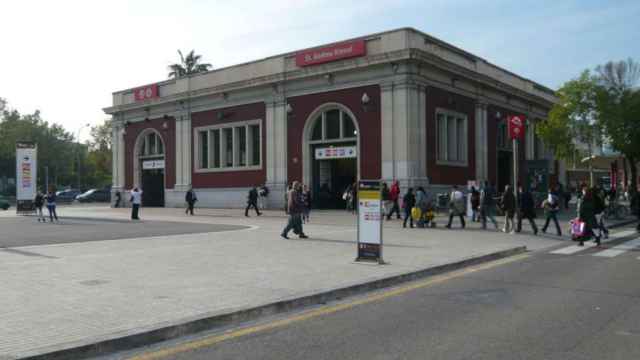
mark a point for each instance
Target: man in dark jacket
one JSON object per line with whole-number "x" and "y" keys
{"x": 509, "y": 207}
{"x": 295, "y": 207}
{"x": 191, "y": 199}
{"x": 551, "y": 207}
{"x": 527, "y": 209}
{"x": 487, "y": 205}
{"x": 252, "y": 201}
{"x": 408, "y": 202}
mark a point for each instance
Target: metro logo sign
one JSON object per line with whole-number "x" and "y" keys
{"x": 331, "y": 53}
{"x": 516, "y": 127}
{"x": 146, "y": 92}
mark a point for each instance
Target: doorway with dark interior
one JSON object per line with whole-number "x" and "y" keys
{"x": 153, "y": 188}
{"x": 331, "y": 178}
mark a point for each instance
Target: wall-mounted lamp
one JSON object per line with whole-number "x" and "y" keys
{"x": 165, "y": 126}
{"x": 395, "y": 67}
{"x": 289, "y": 109}
{"x": 366, "y": 101}
{"x": 498, "y": 115}
{"x": 329, "y": 78}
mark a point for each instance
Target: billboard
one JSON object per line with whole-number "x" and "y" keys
{"x": 26, "y": 175}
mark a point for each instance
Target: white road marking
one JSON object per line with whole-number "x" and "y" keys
{"x": 620, "y": 249}
{"x": 575, "y": 248}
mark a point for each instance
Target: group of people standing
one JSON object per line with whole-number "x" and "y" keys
{"x": 48, "y": 199}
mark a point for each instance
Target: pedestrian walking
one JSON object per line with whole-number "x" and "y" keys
{"x": 263, "y": 192}
{"x": 527, "y": 209}
{"x": 51, "y": 205}
{"x": 475, "y": 204}
{"x": 587, "y": 214}
{"x": 600, "y": 198}
{"x": 456, "y": 206}
{"x": 386, "y": 199}
{"x": 286, "y": 199}
{"x": 634, "y": 198}
{"x": 394, "y": 195}
{"x": 252, "y": 202}
{"x": 422, "y": 204}
{"x": 191, "y": 199}
{"x": 295, "y": 208}
{"x": 39, "y": 203}
{"x": 551, "y": 206}
{"x": 508, "y": 202}
{"x": 408, "y": 202}
{"x": 136, "y": 201}
{"x": 118, "y": 199}
{"x": 487, "y": 205}
{"x": 306, "y": 195}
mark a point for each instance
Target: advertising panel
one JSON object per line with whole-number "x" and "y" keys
{"x": 26, "y": 175}
{"x": 146, "y": 92}
{"x": 369, "y": 221}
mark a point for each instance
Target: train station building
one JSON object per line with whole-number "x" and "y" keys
{"x": 398, "y": 105}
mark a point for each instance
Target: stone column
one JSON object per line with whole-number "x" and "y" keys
{"x": 118, "y": 160}
{"x": 183, "y": 151}
{"x": 276, "y": 138}
{"x": 482, "y": 143}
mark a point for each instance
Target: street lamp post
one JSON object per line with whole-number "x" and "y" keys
{"x": 78, "y": 153}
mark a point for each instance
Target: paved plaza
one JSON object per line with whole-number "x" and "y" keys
{"x": 100, "y": 276}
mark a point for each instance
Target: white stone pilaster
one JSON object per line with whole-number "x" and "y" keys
{"x": 404, "y": 133}
{"x": 482, "y": 143}
{"x": 183, "y": 151}
{"x": 276, "y": 137}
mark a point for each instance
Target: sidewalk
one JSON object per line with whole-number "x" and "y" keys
{"x": 67, "y": 295}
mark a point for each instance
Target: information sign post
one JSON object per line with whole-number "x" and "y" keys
{"x": 26, "y": 176}
{"x": 516, "y": 132}
{"x": 370, "y": 221}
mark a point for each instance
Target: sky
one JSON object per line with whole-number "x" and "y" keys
{"x": 65, "y": 57}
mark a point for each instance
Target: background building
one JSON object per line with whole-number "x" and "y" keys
{"x": 394, "y": 105}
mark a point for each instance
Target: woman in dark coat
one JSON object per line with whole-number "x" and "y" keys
{"x": 408, "y": 202}
{"x": 587, "y": 214}
{"x": 509, "y": 208}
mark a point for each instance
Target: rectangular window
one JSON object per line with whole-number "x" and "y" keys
{"x": 452, "y": 137}
{"x": 254, "y": 134}
{"x": 228, "y": 150}
{"x": 229, "y": 147}
{"x": 204, "y": 149}
{"x": 215, "y": 134}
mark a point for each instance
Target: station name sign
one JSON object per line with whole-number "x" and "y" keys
{"x": 146, "y": 92}
{"x": 327, "y": 54}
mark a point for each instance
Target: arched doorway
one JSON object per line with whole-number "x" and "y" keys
{"x": 330, "y": 154}
{"x": 149, "y": 167}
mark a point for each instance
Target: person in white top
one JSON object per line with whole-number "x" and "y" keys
{"x": 136, "y": 200}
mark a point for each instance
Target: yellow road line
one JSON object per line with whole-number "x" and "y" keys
{"x": 232, "y": 334}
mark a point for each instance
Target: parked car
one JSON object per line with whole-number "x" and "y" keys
{"x": 4, "y": 203}
{"x": 67, "y": 196}
{"x": 95, "y": 195}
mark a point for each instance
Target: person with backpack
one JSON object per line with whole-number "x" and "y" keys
{"x": 551, "y": 206}
{"x": 51, "y": 205}
{"x": 294, "y": 209}
{"x": 39, "y": 203}
{"x": 456, "y": 206}
{"x": 394, "y": 195}
{"x": 527, "y": 209}
{"x": 408, "y": 202}
{"x": 508, "y": 203}
{"x": 191, "y": 199}
{"x": 422, "y": 204}
{"x": 252, "y": 202}
{"x": 487, "y": 205}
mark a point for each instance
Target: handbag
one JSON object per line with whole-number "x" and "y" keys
{"x": 577, "y": 227}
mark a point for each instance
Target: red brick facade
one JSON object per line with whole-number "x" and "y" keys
{"x": 168, "y": 136}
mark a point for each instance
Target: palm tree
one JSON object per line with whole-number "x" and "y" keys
{"x": 188, "y": 65}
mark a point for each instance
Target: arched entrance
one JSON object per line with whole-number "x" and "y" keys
{"x": 149, "y": 167}
{"x": 330, "y": 154}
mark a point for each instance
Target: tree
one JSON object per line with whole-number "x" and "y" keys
{"x": 99, "y": 157}
{"x": 619, "y": 109}
{"x": 188, "y": 65}
{"x": 571, "y": 129}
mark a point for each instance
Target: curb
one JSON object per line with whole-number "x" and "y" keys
{"x": 133, "y": 341}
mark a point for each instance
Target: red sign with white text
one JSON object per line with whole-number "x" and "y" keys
{"x": 516, "y": 127}
{"x": 146, "y": 92}
{"x": 331, "y": 53}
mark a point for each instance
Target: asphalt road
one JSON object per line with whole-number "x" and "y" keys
{"x": 574, "y": 305}
{"x": 26, "y": 231}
